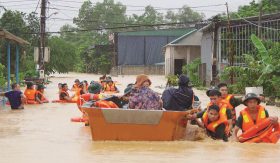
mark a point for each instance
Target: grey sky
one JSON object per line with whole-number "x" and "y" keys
{"x": 65, "y": 13}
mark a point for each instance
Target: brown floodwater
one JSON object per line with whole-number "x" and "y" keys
{"x": 44, "y": 133}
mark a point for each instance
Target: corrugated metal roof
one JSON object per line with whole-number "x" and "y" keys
{"x": 8, "y": 35}
{"x": 184, "y": 36}
{"x": 163, "y": 32}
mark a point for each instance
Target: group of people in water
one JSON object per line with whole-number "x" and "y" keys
{"x": 219, "y": 118}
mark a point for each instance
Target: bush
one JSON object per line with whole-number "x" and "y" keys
{"x": 262, "y": 69}
{"x": 192, "y": 70}
{"x": 173, "y": 80}
{"x": 2, "y": 79}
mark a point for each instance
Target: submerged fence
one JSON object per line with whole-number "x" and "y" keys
{"x": 241, "y": 40}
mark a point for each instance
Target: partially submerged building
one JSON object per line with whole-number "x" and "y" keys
{"x": 182, "y": 51}
{"x": 138, "y": 52}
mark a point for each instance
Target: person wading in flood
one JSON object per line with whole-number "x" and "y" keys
{"x": 76, "y": 85}
{"x": 215, "y": 99}
{"x": 252, "y": 115}
{"x": 215, "y": 122}
{"x": 111, "y": 87}
{"x": 39, "y": 94}
{"x": 16, "y": 98}
{"x": 30, "y": 91}
{"x": 63, "y": 95}
{"x": 230, "y": 100}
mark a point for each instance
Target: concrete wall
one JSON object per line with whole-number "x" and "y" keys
{"x": 188, "y": 53}
{"x": 151, "y": 70}
{"x": 167, "y": 61}
{"x": 194, "y": 52}
{"x": 193, "y": 39}
{"x": 207, "y": 55}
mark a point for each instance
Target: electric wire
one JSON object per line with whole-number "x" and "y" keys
{"x": 120, "y": 27}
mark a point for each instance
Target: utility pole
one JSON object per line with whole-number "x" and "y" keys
{"x": 260, "y": 23}
{"x": 229, "y": 47}
{"x": 42, "y": 35}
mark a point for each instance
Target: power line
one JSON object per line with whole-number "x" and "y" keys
{"x": 37, "y": 5}
{"x": 254, "y": 23}
{"x": 122, "y": 27}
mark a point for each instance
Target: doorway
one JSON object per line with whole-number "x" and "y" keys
{"x": 178, "y": 65}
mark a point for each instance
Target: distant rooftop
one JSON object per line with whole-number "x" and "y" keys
{"x": 162, "y": 32}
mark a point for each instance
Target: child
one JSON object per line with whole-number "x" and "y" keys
{"x": 252, "y": 115}
{"x": 216, "y": 123}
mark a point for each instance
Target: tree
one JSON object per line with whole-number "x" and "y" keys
{"x": 62, "y": 56}
{"x": 268, "y": 7}
{"x": 149, "y": 17}
{"x": 184, "y": 15}
{"x": 17, "y": 22}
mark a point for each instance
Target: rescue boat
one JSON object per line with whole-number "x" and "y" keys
{"x": 136, "y": 125}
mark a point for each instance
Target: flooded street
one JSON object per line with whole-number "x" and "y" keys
{"x": 44, "y": 133}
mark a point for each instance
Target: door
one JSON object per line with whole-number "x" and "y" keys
{"x": 178, "y": 66}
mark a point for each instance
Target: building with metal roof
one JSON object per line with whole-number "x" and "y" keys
{"x": 139, "y": 51}
{"x": 182, "y": 51}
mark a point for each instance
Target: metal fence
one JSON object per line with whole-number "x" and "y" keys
{"x": 241, "y": 40}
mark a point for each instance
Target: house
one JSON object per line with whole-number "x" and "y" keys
{"x": 182, "y": 51}
{"x": 138, "y": 52}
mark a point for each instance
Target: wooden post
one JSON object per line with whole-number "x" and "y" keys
{"x": 260, "y": 23}
{"x": 230, "y": 52}
{"x": 42, "y": 34}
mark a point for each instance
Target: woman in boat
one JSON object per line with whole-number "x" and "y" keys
{"x": 253, "y": 115}
{"x": 143, "y": 97}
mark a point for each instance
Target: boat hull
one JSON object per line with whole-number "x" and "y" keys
{"x": 136, "y": 125}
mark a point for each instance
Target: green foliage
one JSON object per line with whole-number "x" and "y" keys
{"x": 262, "y": 69}
{"x": 62, "y": 56}
{"x": 2, "y": 78}
{"x": 192, "y": 70}
{"x": 268, "y": 7}
{"x": 173, "y": 80}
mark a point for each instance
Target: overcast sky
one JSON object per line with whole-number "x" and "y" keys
{"x": 74, "y": 5}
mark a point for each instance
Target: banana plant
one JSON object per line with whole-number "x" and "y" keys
{"x": 266, "y": 59}
{"x": 268, "y": 67}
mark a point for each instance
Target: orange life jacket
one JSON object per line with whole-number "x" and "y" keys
{"x": 227, "y": 101}
{"x": 233, "y": 111}
{"x": 62, "y": 91}
{"x": 78, "y": 92}
{"x": 105, "y": 104}
{"x": 42, "y": 96}
{"x": 112, "y": 88}
{"x": 223, "y": 108}
{"x": 75, "y": 86}
{"x": 193, "y": 97}
{"x": 247, "y": 119}
{"x": 87, "y": 87}
{"x": 30, "y": 94}
{"x": 213, "y": 125}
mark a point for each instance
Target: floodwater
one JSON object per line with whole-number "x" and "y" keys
{"x": 44, "y": 133}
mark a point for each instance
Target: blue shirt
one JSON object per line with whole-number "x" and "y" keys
{"x": 14, "y": 98}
